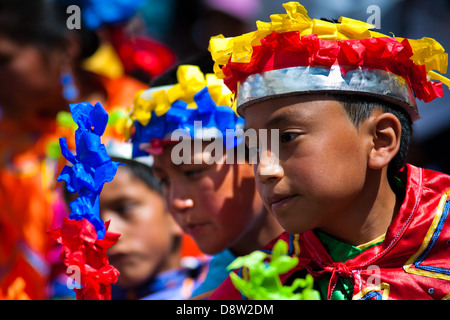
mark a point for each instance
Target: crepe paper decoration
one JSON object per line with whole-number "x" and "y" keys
{"x": 139, "y": 52}
{"x": 294, "y": 39}
{"x": 15, "y": 291}
{"x": 83, "y": 236}
{"x": 91, "y": 166}
{"x": 105, "y": 61}
{"x": 263, "y": 281}
{"x": 119, "y": 125}
{"x": 157, "y": 112}
{"x": 85, "y": 254}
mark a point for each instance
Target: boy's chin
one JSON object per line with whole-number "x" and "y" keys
{"x": 291, "y": 225}
{"x": 210, "y": 248}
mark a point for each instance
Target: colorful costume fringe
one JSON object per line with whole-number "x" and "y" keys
{"x": 159, "y": 111}
{"x": 295, "y": 40}
{"x": 84, "y": 236}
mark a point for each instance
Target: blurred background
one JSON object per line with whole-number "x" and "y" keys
{"x": 150, "y": 36}
{"x": 187, "y": 26}
{"x": 51, "y": 56}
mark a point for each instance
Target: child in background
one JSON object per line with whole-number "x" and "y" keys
{"x": 41, "y": 73}
{"x": 215, "y": 202}
{"x": 148, "y": 252}
{"x": 364, "y": 224}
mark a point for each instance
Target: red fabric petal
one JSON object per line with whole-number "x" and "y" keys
{"x": 284, "y": 50}
{"x": 81, "y": 248}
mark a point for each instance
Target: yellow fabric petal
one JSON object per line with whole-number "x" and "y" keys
{"x": 430, "y": 53}
{"x": 105, "y": 61}
{"x": 162, "y": 103}
{"x": 436, "y": 76}
{"x": 242, "y": 48}
{"x": 175, "y": 93}
{"x": 191, "y": 80}
{"x": 355, "y": 29}
{"x": 324, "y": 29}
{"x": 142, "y": 110}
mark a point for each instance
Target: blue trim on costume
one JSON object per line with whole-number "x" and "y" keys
{"x": 372, "y": 294}
{"x": 433, "y": 241}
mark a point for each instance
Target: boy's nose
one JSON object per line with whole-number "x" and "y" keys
{"x": 179, "y": 200}
{"x": 268, "y": 168}
{"x": 181, "y": 205}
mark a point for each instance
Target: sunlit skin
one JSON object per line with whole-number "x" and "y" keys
{"x": 330, "y": 174}
{"x": 146, "y": 245}
{"x": 217, "y": 204}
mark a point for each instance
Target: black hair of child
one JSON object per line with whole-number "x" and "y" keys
{"x": 43, "y": 23}
{"x": 141, "y": 171}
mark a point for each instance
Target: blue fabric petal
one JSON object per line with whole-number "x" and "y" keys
{"x": 180, "y": 117}
{"x": 65, "y": 150}
{"x": 205, "y": 104}
{"x": 88, "y": 208}
{"x": 178, "y": 112}
{"x": 91, "y": 166}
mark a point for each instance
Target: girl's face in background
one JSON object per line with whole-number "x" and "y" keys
{"x": 138, "y": 213}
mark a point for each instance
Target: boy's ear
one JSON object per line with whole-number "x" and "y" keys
{"x": 386, "y": 132}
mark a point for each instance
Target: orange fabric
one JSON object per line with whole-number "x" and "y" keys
{"x": 29, "y": 199}
{"x": 121, "y": 91}
{"x": 189, "y": 247}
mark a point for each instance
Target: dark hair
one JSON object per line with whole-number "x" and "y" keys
{"x": 141, "y": 171}
{"x": 202, "y": 60}
{"x": 359, "y": 108}
{"x": 42, "y": 23}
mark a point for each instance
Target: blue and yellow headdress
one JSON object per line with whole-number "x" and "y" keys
{"x": 159, "y": 111}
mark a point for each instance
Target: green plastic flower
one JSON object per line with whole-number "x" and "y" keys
{"x": 263, "y": 277}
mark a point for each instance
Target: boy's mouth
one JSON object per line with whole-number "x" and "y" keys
{"x": 277, "y": 201}
{"x": 194, "y": 228}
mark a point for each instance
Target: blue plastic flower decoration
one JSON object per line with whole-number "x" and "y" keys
{"x": 91, "y": 166}
{"x": 96, "y": 13}
{"x": 222, "y": 118}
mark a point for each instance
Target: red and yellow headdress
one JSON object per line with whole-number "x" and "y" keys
{"x": 295, "y": 54}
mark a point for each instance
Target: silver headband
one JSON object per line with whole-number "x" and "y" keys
{"x": 298, "y": 80}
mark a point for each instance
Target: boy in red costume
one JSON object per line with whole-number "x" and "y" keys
{"x": 363, "y": 223}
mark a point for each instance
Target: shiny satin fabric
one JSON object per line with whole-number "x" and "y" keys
{"x": 412, "y": 263}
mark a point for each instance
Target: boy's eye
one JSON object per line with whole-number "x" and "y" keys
{"x": 164, "y": 182}
{"x": 126, "y": 208}
{"x": 192, "y": 173}
{"x": 286, "y": 137}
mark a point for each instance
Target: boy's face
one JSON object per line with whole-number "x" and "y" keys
{"x": 216, "y": 204}
{"x": 147, "y": 230}
{"x": 322, "y": 160}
